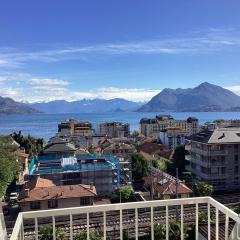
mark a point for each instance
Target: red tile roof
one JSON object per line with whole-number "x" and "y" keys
{"x": 42, "y": 189}
{"x": 166, "y": 186}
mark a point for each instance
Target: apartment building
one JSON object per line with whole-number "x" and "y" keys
{"x": 152, "y": 127}
{"x": 102, "y": 172}
{"x": 214, "y": 156}
{"x": 172, "y": 137}
{"x": 114, "y": 129}
{"x": 75, "y": 128}
{"x": 123, "y": 152}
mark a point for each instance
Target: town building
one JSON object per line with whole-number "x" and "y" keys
{"x": 42, "y": 194}
{"x": 152, "y": 127}
{"x": 114, "y": 129}
{"x": 75, "y": 128}
{"x": 172, "y": 137}
{"x": 102, "y": 172}
{"x": 221, "y": 123}
{"x": 165, "y": 186}
{"x": 123, "y": 152}
{"x": 59, "y": 147}
{"x": 214, "y": 156}
{"x": 153, "y": 151}
{"x": 22, "y": 159}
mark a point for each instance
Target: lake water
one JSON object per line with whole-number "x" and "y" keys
{"x": 45, "y": 125}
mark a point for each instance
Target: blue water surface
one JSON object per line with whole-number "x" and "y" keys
{"x": 45, "y": 125}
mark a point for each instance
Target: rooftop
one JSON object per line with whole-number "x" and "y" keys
{"x": 219, "y": 135}
{"x": 43, "y": 189}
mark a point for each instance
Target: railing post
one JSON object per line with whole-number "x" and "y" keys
{"x": 104, "y": 226}
{"x": 209, "y": 222}
{"x": 182, "y": 227}
{"x": 22, "y": 226}
{"x": 36, "y": 228}
{"x": 88, "y": 234}
{"x": 54, "y": 228}
{"x": 121, "y": 227}
{"x": 217, "y": 225}
{"x": 136, "y": 223}
{"x": 167, "y": 225}
{"x": 152, "y": 225}
{"x": 71, "y": 228}
{"x": 226, "y": 226}
{"x": 196, "y": 229}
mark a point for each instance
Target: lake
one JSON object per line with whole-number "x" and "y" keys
{"x": 45, "y": 125}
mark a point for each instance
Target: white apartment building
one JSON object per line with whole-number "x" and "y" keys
{"x": 214, "y": 156}
{"x": 152, "y": 127}
{"x": 172, "y": 137}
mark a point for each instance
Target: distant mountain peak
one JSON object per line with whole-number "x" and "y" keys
{"x": 204, "y": 97}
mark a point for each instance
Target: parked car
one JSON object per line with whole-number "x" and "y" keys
{"x": 13, "y": 197}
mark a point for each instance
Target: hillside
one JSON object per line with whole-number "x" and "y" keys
{"x": 205, "y": 97}
{"x": 8, "y": 105}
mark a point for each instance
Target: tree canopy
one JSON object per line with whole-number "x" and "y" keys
{"x": 8, "y": 162}
{"x": 178, "y": 161}
{"x": 139, "y": 167}
{"x": 202, "y": 189}
{"x": 32, "y": 146}
{"x": 125, "y": 192}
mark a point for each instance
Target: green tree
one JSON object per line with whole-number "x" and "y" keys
{"x": 161, "y": 163}
{"x": 178, "y": 161}
{"x": 92, "y": 236}
{"x": 9, "y": 166}
{"x": 139, "y": 167}
{"x": 202, "y": 189}
{"x": 46, "y": 233}
{"x": 32, "y": 146}
{"x": 125, "y": 192}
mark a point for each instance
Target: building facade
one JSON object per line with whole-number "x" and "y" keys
{"x": 122, "y": 151}
{"x": 214, "y": 156}
{"x": 42, "y": 194}
{"x": 172, "y": 137}
{"x": 75, "y": 128}
{"x": 102, "y": 172}
{"x": 114, "y": 129}
{"x": 152, "y": 127}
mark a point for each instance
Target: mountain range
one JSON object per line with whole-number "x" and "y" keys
{"x": 204, "y": 98}
{"x": 87, "y": 106}
{"x": 8, "y": 105}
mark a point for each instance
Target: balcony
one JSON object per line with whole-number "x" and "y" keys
{"x": 208, "y": 163}
{"x": 114, "y": 220}
{"x": 206, "y": 152}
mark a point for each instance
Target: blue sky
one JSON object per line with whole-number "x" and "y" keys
{"x": 132, "y": 49}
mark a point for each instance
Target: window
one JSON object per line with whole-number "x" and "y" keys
{"x": 236, "y": 159}
{"x": 84, "y": 201}
{"x": 35, "y": 205}
{"x": 236, "y": 170}
{"x": 53, "y": 203}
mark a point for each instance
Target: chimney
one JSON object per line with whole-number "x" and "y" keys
{"x": 91, "y": 186}
{"x": 27, "y": 190}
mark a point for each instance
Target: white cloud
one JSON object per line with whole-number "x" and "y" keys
{"x": 48, "y": 82}
{"x": 194, "y": 43}
{"x": 14, "y": 93}
{"x": 235, "y": 89}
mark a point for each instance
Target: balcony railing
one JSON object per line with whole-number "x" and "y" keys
{"x": 206, "y": 152}
{"x": 138, "y": 216}
{"x": 208, "y": 163}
